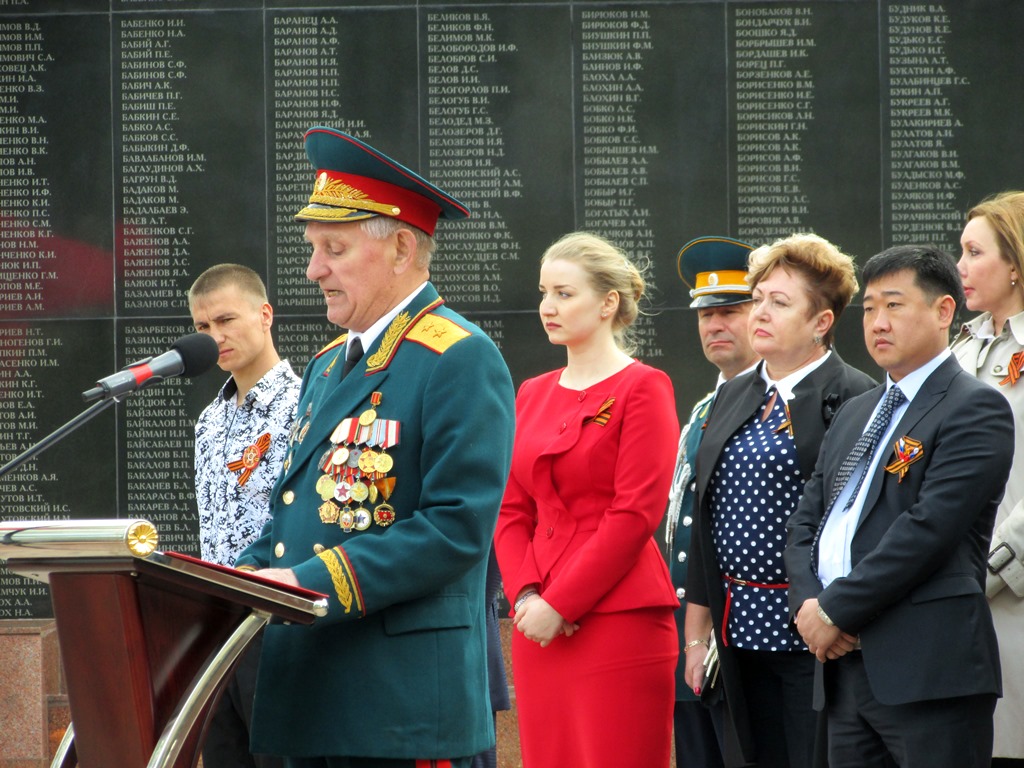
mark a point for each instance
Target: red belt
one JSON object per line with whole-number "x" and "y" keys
{"x": 728, "y": 599}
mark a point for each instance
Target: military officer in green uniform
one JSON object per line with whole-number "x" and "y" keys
{"x": 389, "y": 493}
{"x": 714, "y": 269}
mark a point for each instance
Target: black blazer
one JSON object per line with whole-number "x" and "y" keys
{"x": 816, "y": 400}
{"x": 916, "y": 593}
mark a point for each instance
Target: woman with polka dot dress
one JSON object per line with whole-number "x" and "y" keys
{"x": 760, "y": 444}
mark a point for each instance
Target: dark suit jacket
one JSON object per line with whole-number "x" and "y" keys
{"x": 397, "y": 668}
{"x": 916, "y": 594}
{"x": 815, "y": 401}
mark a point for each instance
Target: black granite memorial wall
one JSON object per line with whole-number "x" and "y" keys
{"x": 142, "y": 141}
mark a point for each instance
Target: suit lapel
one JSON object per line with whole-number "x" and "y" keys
{"x": 930, "y": 395}
{"x": 729, "y": 414}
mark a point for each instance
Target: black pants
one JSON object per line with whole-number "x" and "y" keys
{"x": 778, "y": 687}
{"x": 941, "y": 733}
{"x": 227, "y": 739}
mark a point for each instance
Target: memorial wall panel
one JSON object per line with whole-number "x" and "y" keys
{"x": 142, "y": 141}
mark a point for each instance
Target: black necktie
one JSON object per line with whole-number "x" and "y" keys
{"x": 865, "y": 447}
{"x": 353, "y": 353}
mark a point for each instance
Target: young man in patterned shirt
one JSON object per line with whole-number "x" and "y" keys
{"x": 241, "y": 439}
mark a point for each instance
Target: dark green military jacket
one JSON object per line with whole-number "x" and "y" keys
{"x": 398, "y": 666}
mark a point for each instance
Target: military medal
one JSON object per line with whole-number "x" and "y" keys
{"x": 340, "y": 456}
{"x": 343, "y": 492}
{"x": 359, "y": 491}
{"x": 361, "y": 517}
{"x": 328, "y": 512}
{"x": 347, "y": 521}
{"x": 325, "y": 486}
{"x": 367, "y": 417}
{"x": 367, "y": 460}
{"x": 908, "y": 450}
{"x": 297, "y": 425}
{"x": 384, "y": 513}
{"x": 250, "y": 458}
{"x": 383, "y": 463}
{"x": 353, "y": 458}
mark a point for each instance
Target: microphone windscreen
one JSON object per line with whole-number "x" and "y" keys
{"x": 198, "y": 353}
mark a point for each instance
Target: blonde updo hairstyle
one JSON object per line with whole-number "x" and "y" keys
{"x": 608, "y": 269}
{"x": 829, "y": 273}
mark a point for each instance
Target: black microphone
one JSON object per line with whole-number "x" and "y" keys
{"x": 189, "y": 356}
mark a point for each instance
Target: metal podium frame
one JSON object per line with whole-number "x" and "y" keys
{"x": 147, "y": 638}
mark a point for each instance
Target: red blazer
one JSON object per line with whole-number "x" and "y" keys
{"x": 588, "y": 487}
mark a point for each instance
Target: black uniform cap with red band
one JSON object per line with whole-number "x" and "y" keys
{"x": 354, "y": 181}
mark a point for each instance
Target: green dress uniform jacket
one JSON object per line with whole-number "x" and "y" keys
{"x": 397, "y": 668}
{"x": 680, "y": 520}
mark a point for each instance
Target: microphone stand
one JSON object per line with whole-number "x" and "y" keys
{"x": 56, "y": 435}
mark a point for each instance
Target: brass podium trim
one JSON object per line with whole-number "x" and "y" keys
{"x": 148, "y": 639}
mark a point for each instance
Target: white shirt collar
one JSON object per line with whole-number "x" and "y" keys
{"x": 911, "y": 384}
{"x": 722, "y": 379}
{"x": 370, "y": 334}
{"x": 787, "y": 384}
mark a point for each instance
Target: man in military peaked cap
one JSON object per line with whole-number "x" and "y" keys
{"x": 390, "y": 491}
{"x": 715, "y": 270}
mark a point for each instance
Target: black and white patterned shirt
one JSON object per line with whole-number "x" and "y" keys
{"x": 234, "y": 504}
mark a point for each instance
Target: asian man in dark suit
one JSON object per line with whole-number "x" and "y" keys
{"x": 887, "y": 573}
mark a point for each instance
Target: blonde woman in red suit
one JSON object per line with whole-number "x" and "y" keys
{"x": 595, "y": 649}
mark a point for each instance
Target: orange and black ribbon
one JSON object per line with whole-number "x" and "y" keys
{"x": 908, "y": 450}
{"x": 1016, "y": 363}
{"x": 787, "y": 424}
{"x": 603, "y": 414}
{"x": 250, "y": 458}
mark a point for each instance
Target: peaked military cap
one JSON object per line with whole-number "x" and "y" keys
{"x": 715, "y": 270}
{"x": 354, "y": 181}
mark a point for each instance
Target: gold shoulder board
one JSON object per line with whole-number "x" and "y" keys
{"x": 436, "y": 333}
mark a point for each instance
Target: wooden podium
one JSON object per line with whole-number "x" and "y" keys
{"x": 147, "y": 638}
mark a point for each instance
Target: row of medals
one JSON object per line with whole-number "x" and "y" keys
{"x": 354, "y": 475}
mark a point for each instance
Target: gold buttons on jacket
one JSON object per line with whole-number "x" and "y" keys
{"x": 318, "y": 548}
{"x": 681, "y": 593}
{"x": 288, "y": 497}
{"x": 687, "y": 521}
{"x": 279, "y": 549}
{"x": 681, "y": 557}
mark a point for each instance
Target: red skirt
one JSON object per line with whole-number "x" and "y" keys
{"x": 602, "y": 698}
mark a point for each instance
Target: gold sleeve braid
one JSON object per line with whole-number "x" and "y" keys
{"x": 342, "y": 578}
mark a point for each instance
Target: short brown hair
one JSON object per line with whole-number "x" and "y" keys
{"x": 830, "y": 275}
{"x": 222, "y": 275}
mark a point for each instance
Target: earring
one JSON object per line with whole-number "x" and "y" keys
{"x": 817, "y": 340}
{"x": 604, "y": 315}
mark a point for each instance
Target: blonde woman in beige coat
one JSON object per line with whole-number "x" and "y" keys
{"x": 991, "y": 346}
